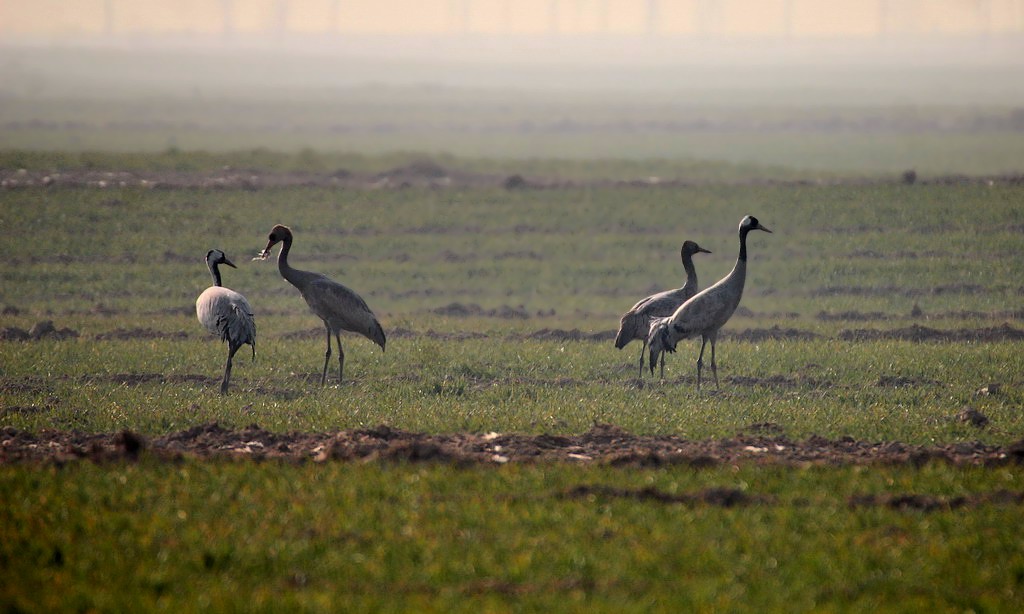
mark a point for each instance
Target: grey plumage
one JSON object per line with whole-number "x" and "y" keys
{"x": 226, "y": 313}
{"x": 707, "y": 311}
{"x": 636, "y": 323}
{"x": 338, "y": 306}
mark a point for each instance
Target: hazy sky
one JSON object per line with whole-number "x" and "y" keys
{"x": 55, "y": 19}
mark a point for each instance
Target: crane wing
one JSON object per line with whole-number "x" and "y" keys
{"x": 343, "y": 309}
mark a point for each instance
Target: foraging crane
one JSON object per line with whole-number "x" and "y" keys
{"x": 339, "y": 307}
{"x": 636, "y": 323}
{"x": 707, "y": 311}
{"x": 226, "y": 313}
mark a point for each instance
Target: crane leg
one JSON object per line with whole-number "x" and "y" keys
{"x": 700, "y": 358}
{"x": 663, "y": 366}
{"x": 227, "y": 369}
{"x": 643, "y": 351}
{"x": 327, "y": 356}
{"x": 714, "y": 367}
{"x": 341, "y": 356}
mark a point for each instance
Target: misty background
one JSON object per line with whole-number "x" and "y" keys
{"x": 857, "y": 86}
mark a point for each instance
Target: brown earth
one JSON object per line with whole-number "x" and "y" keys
{"x": 759, "y": 444}
{"x": 915, "y": 332}
{"x": 425, "y": 173}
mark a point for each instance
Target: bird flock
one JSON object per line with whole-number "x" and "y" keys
{"x": 660, "y": 321}
{"x": 707, "y": 312}
{"x": 227, "y": 314}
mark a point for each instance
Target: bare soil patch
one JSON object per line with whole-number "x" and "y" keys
{"x": 917, "y": 332}
{"x": 40, "y": 330}
{"x": 914, "y": 332}
{"x": 135, "y": 379}
{"x": 899, "y": 381}
{"x": 717, "y": 497}
{"x": 603, "y": 444}
{"x": 461, "y": 310}
{"x": 558, "y": 334}
{"x": 774, "y": 333}
{"x": 957, "y": 288}
{"x": 853, "y": 316}
{"x": 124, "y": 334}
{"x": 424, "y": 173}
{"x": 779, "y": 381}
{"x": 931, "y": 503}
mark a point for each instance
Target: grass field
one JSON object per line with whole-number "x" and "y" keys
{"x": 234, "y": 535}
{"x": 480, "y": 289}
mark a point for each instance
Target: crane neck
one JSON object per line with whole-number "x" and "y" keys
{"x": 691, "y": 271}
{"x": 743, "y": 245}
{"x": 215, "y": 272}
{"x": 282, "y": 257}
{"x": 739, "y": 272}
{"x": 290, "y": 274}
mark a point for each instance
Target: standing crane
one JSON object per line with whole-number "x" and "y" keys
{"x": 338, "y": 306}
{"x": 226, "y": 313}
{"x": 636, "y": 323}
{"x": 707, "y": 311}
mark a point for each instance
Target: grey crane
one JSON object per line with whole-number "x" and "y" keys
{"x": 707, "y": 311}
{"x": 636, "y": 323}
{"x": 338, "y": 306}
{"x": 226, "y": 313}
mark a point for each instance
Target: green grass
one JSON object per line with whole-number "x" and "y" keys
{"x": 268, "y": 536}
{"x": 507, "y": 385}
{"x": 587, "y": 254}
{"x": 233, "y": 536}
{"x": 103, "y": 261}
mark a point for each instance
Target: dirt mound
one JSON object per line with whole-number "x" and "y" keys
{"x": 419, "y": 173}
{"x": 420, "y": 169}
{"x": 425, "y": 173}
{"x": 899, "y": 381}
{"x": 123, "y": 334}
{"x": 966, "y": 314}
{"x": 775, "y": 333}
{"x": 931, "y": 503}
{"x": 852, "y": 316}
{"x": 309, "y": 333}
{"x": 461, "y": 310}
{"x": 558, "y": 334}
{"x": 777, "y": 381}
{"x": 917, "y": 332}
{"x": 138, "y": 379}
{"x": 717, "y": 497}
{"x": 957, "y": 288}
{"x": 40, "y": 330}
{"x": 458, "y": 310}
{"x": 918, "y": 313}
{"x": 603, "y": 444}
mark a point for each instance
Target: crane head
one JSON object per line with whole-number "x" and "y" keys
{"x": 691, "y": 248}
{"x": 216, "y": 256}
{"x": 750, "y": 223}
{"x": 277, "y": 234}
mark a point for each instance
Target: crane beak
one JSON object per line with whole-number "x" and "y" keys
{"x": 229, "y": 263}
{"x": 265, "y": 253}
{"x": 706, "y": 251}
{"x": 760, "y": 227}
